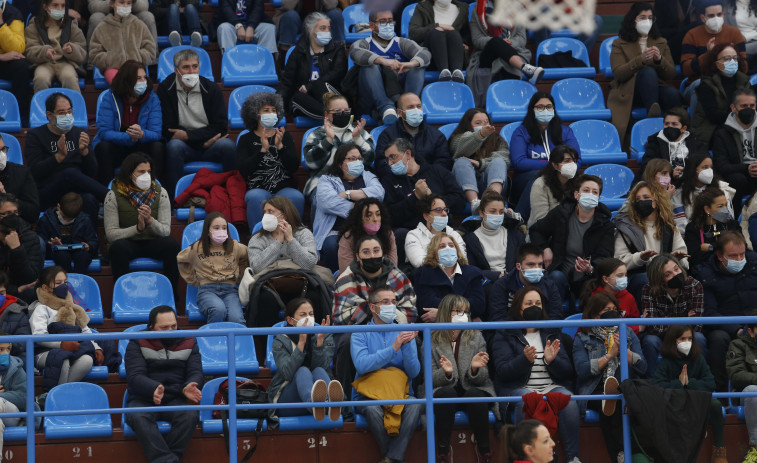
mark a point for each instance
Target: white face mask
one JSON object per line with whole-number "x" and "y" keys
{"x": 714, "y": 24}
{"x": 123, "y": 11}
{"x": 568, "y": 170}
{"x": 190, "y": 80}
{"x": 460, "y": 318}
{"x": 143, "y": 181}
{"x": 3, "y": 160}
{"x": 270, "y": 222}
{"x": 306, "y": 321}
{"x": 705, "y": 176}
{"x": 684, "y": 347}
{"x": 643, "y": 26}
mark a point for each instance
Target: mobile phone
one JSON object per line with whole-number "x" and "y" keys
{"x": 68, "y": 247}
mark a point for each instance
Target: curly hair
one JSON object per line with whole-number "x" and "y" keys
{"x": 706, "y": 198}
{"x": 353, "y": 224}
{"x": 664, "y": 208}
{"x": 708, "y": 61}
{"x": 255, "y": 102}
{"x": 628, "y": 30}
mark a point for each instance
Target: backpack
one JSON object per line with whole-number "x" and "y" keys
{"x": 248, "y": 393}
{"x": 284, "y": 285}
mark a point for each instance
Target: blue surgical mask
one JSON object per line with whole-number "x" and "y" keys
{"x": 544, "y": 117}
{"x": 269, "y": 120}
{"x": 5, "y": 360}
{"x": 399, "y": 167}
{"x": 2, "y": 300}
{"x": 588, "y": 201}
{"x": 730, "y": 68}
{"x": 735, "y": 266}
{"x": 61, "y": 291}
{"x": 494, "y": 221}
{"x": 620, "y": 284}
{"x": 533, "y": 275}
{"x": 414, "y": 117}
{"x": 323, "y": 38}
{"x": 448, "y": 257}
{"x": 64, "y": 123}
{"x": 387, "y": 313}
{"x": 57, "y": 15}
{"x": 386, "y": 31}
{"x": 355, "y": 168}
{"x": 140, "y": 88}
{"x": 439, "y": 223}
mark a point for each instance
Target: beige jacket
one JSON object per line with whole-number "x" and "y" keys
{"x": 54, "y": 38}
{"x": 199, "y": 269}
{"x": 117, "y": 40}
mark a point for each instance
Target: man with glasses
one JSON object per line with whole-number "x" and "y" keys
{"x": 17, "y": 179}
{"x": 60, "y": 158}
{"x": 389, "y": 66}
{"x": 20, "y": 253}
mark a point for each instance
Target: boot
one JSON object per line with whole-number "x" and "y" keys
{"x": 718, "y": 455}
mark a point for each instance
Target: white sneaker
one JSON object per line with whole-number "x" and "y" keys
{"x": 445, "y": 75}
{"x": 174, "y": 38}
{"x": 621, "y": 457}
{"x": 532, "y": 72}
{"x": 575, "y": 460}
{"x": 389, "y": 117}
{"x": 458, "y": 76}
{"x": 195, "y": 39}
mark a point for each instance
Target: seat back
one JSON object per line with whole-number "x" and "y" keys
{"x": 507, "y": 131}
{"x": 193, "y": 231}
{"x": 616, "y": 179}
{"x": 37, "y": 113}
{"x": 354, "y": 14}
{"x": 376, "y": 133}
{"x": 577, "y": 93}
{"x": 303, "y": 161}
{"x": 166, "y": 67}
{"x": 14, "y": 148}
{"x": 553, "y": 45}
{"x": 446, "y": 102}
{"x": 215, "y": 354}
{"x": 571, "y": 330}
{"x": 641, "y": 131}
{"x": 183, "y": 183}
{"x": 237, "y": 99}
{"x": 407, "y": 15}
{"x": 604, "y": 56}
{"x": 507, "y": 100}
{"x": 77, "y": 396}
{"x": 135, "y": 294}
{"x": 248, "y": 63}
{"x": 10, "y": 113}
{"x": 89, "y": 291}
{"x": 596, "y": 137}
{"x": 122, "y": 343}
{"x": 270, "y": 363}
{"x": 446, "y": 129}
{"x": 209, "y": 390}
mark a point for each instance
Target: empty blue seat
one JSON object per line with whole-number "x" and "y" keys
{"x": 163, "y": 41}
{"x": 303, "y": 161}
{"x": 135, "y": 294}
{"x": 237, "y": 99}
{"x": 191, "y": 310}
{"x": 407, "y": 15}
{"x": 164, "y": 427}
{"x": 591, "y": 416}
{"x": 354, "y": 14}
{"x": 94, "y": 266}
{"x": 99, "y": 78}
{"x": 145, "y": 263}
{"x": 215, "y": 355}
{"x": 9, "y": 112}
{"x": 571, "y": 330}
{"x": 246, "y": 64}
{"x": 122, "y": 343}
{"x": 37, "y": 114}
{"x": 616, "y": 181}
{"x": 446, "y": 102}
{"x": 87, "y": 289}
{"x": 182, "y": 213}
{"x": 14, "y": 148}
{"x": 507, "y": 131}
{"x": 640, "y": 132}
{"x": 579, "y": 98}
{"x": 599, "y": 142}
{"x": 604, "y": 56}
{"x": 166, "y": 67}
{"x": 507, "y": 100}
{"x": 461, "y": 418}
{"x": 14, "y": 433}
{"x": 270, "y": 362}
{"x": 447, "y": 129}
{"x": 77, "y": 396}
{"x": 211, "y": 425}
{"x": 576, "y": 47}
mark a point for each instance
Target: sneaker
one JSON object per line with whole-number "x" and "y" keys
{"x": 174, "y": 38}
{"x": 195, "y": 39}
{"x": 445, "y": 457}
{"x": 474, "y": 205}
{"x": 389, "y": 117}
{"x": 611, "y": 387}
{"x": 457, "y": 76}
{"x": 751, "y": 455}
{"x": 532, "y": 72}
{"x": 445, "y": 75}
{"x": 575, "y": 460}
{"x": 654, "y": 110}
{"x": 621, "y": 457}
{"x": 336, "y": 394}
{"x": 319, "y": 393}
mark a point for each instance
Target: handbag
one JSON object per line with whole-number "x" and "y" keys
{"x": 247, "y": 393}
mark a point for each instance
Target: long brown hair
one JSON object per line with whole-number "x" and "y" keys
{"x": 287, "y": 208}
{"x": 204, "y": 241}
{"x": 664, "y": 208}
{"x": 595, "y": 304}
{"x": 493, "y": 142}
{"x": 444, "y": 315}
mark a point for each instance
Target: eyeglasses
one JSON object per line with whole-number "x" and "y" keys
{"x": 394, "y": 157}
{"x": 459, "y": 312}
{"x": 439, "y": 210}
{"x": 353, "y": 158}
{"x": 544, "y": 107}
{"x": 384, "y": 22}
{"x": 386, "y": 302}
{"x": 727, "y": 58}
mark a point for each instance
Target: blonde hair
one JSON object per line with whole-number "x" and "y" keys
{"x": 444, "y": 315}
{"x": 432, "y": 251}
{"x": 330, "y": 97}
{"x": 664, "y": 208}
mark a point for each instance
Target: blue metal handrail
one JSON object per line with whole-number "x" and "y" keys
{"x": 429, "y": 399}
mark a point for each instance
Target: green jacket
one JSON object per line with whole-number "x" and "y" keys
{"x": 700, "y": 377}
{"x": 741, "y": 361}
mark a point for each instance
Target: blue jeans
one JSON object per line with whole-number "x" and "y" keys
{"x": 750, "y": 414}
{"x": 219, "y": 302}
{"x": 290, "y": 26}
{"x": 73, "y": 261}
{"x": 179, "y": 153}
{"x": 568, "y": 420}
{"x": 470, "y": 180}
{"x": 255, "y": 197}
{"x": 648, "y": 91}
{"x": 191, "y": 19}
{"x": 391, "y": 447}
{"x": 521, "y": 192}
{"x": 651, "y": 346}
{"x": 299, "y": 390}
{"x": 371, "y": 86}
{"x": 329, "y": 251}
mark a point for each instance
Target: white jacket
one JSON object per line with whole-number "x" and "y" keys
{"x": 417, "y": 240}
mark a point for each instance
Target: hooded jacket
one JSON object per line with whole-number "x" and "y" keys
{"x": 38, "y": 43}
{"x": 659, "y": 147}
{"x": 13, "y": 383}
{"x": 726, "y": 293}
{"x": 728, "y": 149}
{"x": 116, "y": 40}
{"x": 741, "y": 361}
{"x": 14, "y": 320}
{"x": 332, "y": 63}
{"x": 110, "y": 116}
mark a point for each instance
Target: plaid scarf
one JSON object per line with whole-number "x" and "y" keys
{"x": 138, "y": 197}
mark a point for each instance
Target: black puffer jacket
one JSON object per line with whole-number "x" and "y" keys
{"x": 23, "y": 263}
{"x": 332, "y": 64}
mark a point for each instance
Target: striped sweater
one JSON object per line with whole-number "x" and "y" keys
{"x": 695, "y": 45}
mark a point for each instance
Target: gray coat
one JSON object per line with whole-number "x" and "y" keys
{"x": 289, "y": 359}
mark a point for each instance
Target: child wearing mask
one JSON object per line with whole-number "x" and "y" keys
{"x": 71, "y": 239}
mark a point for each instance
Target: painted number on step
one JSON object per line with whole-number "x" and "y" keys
{"x": 246, "y": 445}
{"x": 312, "y": 442}
{"x": 8, "y": 455}
{"x": 78, "y": 453}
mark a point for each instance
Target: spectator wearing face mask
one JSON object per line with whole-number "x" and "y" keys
{"x": 553, "y": 183}
{"x": 17, "y": 179}
{"x": 611, "y": 278}
{"x": 20, "y": 254}
{"x": 711, "y": 218}
{"x": 99, "y": 9}
{"x": 435, "y": 215}
{"x": 657, "y": 173}
{"x": 673, "y": 143}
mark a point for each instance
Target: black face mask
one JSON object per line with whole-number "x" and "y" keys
{"x": 342, "y": 119}
{"x": 643, "y": 207}
{"x": 10, "y": 221}
{"x": 677, "y": 281}
{"x": 671, "y": 133}
{"x": 532, "y": 313}
{"x": 746, "y": 115}
{"x": 373, "y": 264}
{"x": 610, "y": 314}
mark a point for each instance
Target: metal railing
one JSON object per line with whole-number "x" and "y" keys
{"x": 428, "y": 401}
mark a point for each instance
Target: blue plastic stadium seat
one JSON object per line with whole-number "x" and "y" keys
{"x": 9, "y": 112}
{"x": 507, "y": 100}
{"x": 194, "y": 167}
{"x": 166, "y": 67}
{"x": 616, "y": 181}
{"x": 576, "y": 47}
{"x": 122, "y": 343}
{"x": 599, "y": 142}
{"x": 14, "y": 433}
{"x": 237, "y": 99}
{"x": 191, "y": 310}
{"x": 446, "y": 102}
{"x": 304, "y": 122}
{"x": 640, "y": 131}
{"x": 447, "y": 129}
{"x": 752, "y": 80}
{"x": 135, "y": 294}
{"x": 303, "y": 162}
{"x": 246, "y": 64}
{"x": 14, "y": 148}
{"x": 591, "y": 416}
{"x": 77, "y": 396}
{"x": 99, "y": 78}
{"x": 270, "y": 363}
{"x": 407, "y": 15}
{"x": 214, "y": 352}
{"x": 145, "y": 263}
{"x": 354, "y": 14}
{"x": 571, "y": 330}
{"x": 94, "y": 266}
{"x": 37, "y": 113}
{"x": 461, "y": 418}
{"x": 214, "y": 426}
{"x": 578, "y": 98}
{"x": 507, "y": 131}
{"x": 87, "y": 289}
{"x": 5, "y": 84}
{"x": 185, "y": 40}
{"x": 307, "y": 422}
{"x": 182, "y": 213}
{"x": 376, "y": 133}
{"x": 604, "y": 56}
{"x": 164, "y": 427}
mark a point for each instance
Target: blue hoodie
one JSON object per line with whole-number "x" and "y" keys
{"x": 13, "y": 382}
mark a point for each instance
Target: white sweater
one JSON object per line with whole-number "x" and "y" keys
{"x": 417, "y": 240}
{"x": 43, "y": 316}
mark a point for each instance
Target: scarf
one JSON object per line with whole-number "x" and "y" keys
{"x": 137, "y": 197}
{"x": 605, "y": 333}
{"x": 68, "y": 312}
{"x": 484, "y": 8}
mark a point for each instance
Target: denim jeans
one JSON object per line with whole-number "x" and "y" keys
{"x": 255, "y": 197}
{"x": 191, "y": 19}
{"x": 568, "y": 420}
{"x": 7, "y": 407}
{"x": 299, "y": 390}
{"x": 156, "y": 447}
{"x": 470, "y": 180}
{"x": 750, "y": 414}
{"x": 264, "y": 35}
{"x": 371, "y": 86}
{"x": 329, "y": 251}
{"x": 651, "y": 346}
{"x": 219, "y": 302}
{"x": 73, "y": 261}
{"x": 391, "y": 447}
{"x": 179, "y": 153}
{"x": 290, "y": 26}
{"x": 521, "y": 192}
{"x": 648, "y": 91}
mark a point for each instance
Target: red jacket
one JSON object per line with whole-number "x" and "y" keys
{"x": 627, "y": 303}
{"x": 223, "y": 193}
{"x": 534, "y": 406}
